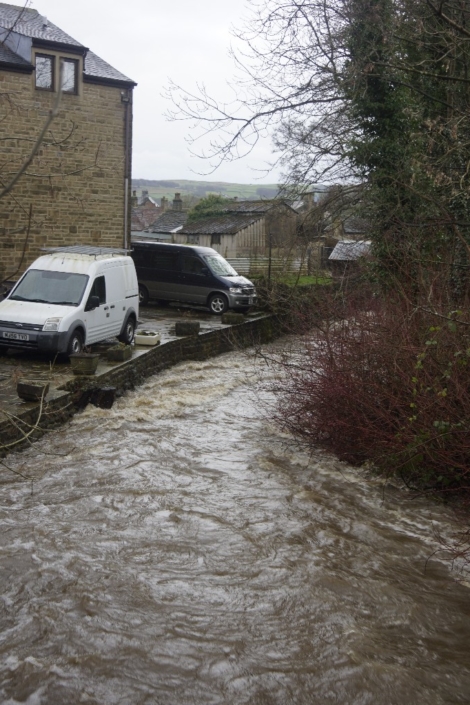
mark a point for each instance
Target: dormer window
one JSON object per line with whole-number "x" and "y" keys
{"x": 44, "y": 72}
{"x": 47, "y": 73}
{"x": 69, "y": 75}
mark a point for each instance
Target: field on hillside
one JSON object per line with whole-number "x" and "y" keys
{"x": 199, "y": 189}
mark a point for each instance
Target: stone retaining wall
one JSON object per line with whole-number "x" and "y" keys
{"x": 130, "y": 374}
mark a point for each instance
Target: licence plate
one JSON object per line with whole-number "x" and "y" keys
{"x": 16, "y": 336}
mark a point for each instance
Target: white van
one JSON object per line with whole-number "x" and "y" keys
{"x": 72, "y": 297}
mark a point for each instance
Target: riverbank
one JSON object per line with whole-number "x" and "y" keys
{"x": 23, "y": 422}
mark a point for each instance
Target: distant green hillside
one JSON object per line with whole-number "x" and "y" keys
{"x": 199, "y": 189}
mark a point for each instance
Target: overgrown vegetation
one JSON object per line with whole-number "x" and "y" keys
{"x": 374, "y": 94}
{"x": 385, "y": 380}
{"x": 208, "y": 207}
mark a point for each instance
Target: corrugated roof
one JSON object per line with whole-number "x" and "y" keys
{"x": 168, "y": 222}
{"x": 350, "y": 250}
{"x": 229, "y": 224}
{"x": 29, "y": 23}
{"x": 255, "y": 207}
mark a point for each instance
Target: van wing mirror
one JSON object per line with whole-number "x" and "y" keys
{"x": 92, "y": 303}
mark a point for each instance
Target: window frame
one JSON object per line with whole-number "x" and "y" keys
{"x": 52, "y": 60}
{"x": 66, "y": 60}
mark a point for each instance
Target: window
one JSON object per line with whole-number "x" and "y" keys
{"x": 44, "y": 72}
{"x": 191, "y": 265}
{"x": 99, "y": 289}
{"x": 69, "y": 75}
{"x": 193, "y": 239}
{"x": 215, "y": 240}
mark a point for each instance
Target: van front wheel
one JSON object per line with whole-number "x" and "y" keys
{"x": 75, "y": 343}
{"x": 218, "y": 304}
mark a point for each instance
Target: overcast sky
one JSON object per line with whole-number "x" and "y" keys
{"x": 151, "y": 41}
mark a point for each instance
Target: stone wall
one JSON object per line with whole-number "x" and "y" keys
{"x": 73, "y": 191}
{"x": 130, "y": 374}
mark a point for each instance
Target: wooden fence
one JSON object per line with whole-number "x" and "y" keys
{"x": 258, "y": 265}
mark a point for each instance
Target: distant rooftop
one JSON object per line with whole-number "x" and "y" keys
{"x": 349, "y": 250}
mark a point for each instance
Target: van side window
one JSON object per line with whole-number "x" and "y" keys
{"x": 192, "y": 265}
{"x": 99, "y": 289}
{"x": 165, "y": 260}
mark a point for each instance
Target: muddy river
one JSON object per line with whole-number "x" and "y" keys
{"x": 178, "y": 550}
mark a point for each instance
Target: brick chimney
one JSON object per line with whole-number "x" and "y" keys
{"x": 177, "y": 202}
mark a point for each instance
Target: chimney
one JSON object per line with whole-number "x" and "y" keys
{"x": 144, "y": 194}
{"x": 177, "y": 202}
{"x": 134, "y": 199}
{"x": 164, "y": 204}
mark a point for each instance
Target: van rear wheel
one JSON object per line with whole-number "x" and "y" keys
{"x": 127, "y": 335}
{"x": 218, "y": 304}
{"x": 143, "y": 295}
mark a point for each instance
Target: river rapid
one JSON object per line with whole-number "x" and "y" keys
{"x": 179, "y": 550}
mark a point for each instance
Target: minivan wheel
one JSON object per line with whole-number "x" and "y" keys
{"x": 218, "y": 304}
{"x": 127, "y": 336}
{"x": 75, "y": 343}
{"x": 143, "y": 295}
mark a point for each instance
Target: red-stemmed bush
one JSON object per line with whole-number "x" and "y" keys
{"x": 386, "y": 379}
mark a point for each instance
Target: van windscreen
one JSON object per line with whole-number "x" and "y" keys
{"x": 220, "y": 266}
{"x": 46, "y": 287}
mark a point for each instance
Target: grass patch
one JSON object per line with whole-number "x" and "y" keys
{"x": 292, "y": 280}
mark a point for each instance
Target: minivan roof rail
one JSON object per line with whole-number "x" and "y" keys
{"x": 91, "y": 250}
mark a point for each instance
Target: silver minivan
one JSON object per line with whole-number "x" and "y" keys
{"x": 192, "y": 275}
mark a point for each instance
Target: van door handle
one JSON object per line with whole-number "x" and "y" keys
{"x": 112, "y": 306}
{"x": 106, "y": 308}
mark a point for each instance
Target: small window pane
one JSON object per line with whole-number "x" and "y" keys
{"x": 69, "y": 76}
{"x": 45, "y": 72}
{"x": 99, "y": 289}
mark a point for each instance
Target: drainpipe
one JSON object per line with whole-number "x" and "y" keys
{"x": 126, "y": 99}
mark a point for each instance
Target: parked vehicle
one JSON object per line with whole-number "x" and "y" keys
{"x": 191, "y": 275}
{"x": 69, "y": 298}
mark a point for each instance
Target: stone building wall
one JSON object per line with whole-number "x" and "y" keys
{"x": 73, "y": 191}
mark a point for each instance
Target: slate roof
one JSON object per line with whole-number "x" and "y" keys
{"x": 98, "y": 68}
{"x": 9, "y": 57}
{"x": 229, "y": 224}
{"x": 258, "y": 207}
{"x": 29, "y": 23}
{"x": 349, "y": 250}
{"x": 168, "y": 222}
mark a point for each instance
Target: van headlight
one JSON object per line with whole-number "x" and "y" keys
{"x": 52, "y": 324}
{"x": 236, "y": 290}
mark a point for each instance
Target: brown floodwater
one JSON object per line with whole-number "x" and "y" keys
{"x": 178, "y": 549}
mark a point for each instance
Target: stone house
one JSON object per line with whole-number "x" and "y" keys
{"x": 166, "y": 224}
{"x": 145, "y": 211}
{"x": 74, "y": 170}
